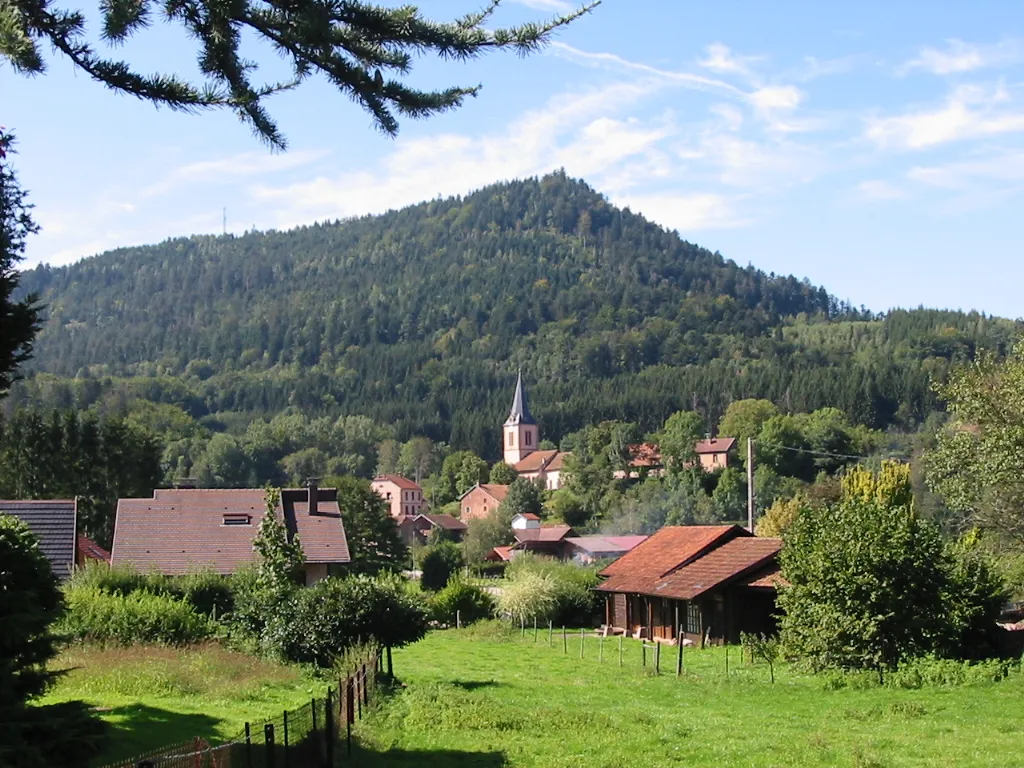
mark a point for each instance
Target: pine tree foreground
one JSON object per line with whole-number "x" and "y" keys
{"x": 363, "y": 49}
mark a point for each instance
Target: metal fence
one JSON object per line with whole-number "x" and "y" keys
{"x": 315, "y": 735}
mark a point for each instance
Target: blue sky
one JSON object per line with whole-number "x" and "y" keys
{"x": 875, "y": 148}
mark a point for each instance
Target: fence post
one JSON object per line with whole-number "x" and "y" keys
{"x": 657, "y": 658}
{"x": 349, "y": 696}
{"x": 328, "y": 730}
{"x": 359, "y": 697}
{"x": 268, "y": 744}
{"x": 727, "y": 659}
{"x": 679, "y": 651}
{"x": 366, "y": 690}
{"x": 600, "y": 648}
{"x": 286, "y": 739}
{"x": 583, "y": 641}
{"x": 620, "y": 649}
{"x": 522, "y": 626}
{"x": 551, "y": 626}
{"x": 198, "y": 745}
{"x": 565, "y": 641}
{"x": 535, "y": 628}
{"x": 312, "y": 709}
{"x": 248, "y": 747}
{"x": 458, "y": 619}
{"x": 643, "y": 653}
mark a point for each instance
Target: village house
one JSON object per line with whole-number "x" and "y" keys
{"x": 713, "y": 452}
{"x": 180, "y": 531}
{"x": 53, "y": 522}
{"x": 531, "y": 536}
{"x": 705, "y": 584}
{"x": 417, "y": 529}
{"x": 403, "y": 496}
{"x": 480, "y": 500}
{"x": 645, "y": 458}
{"x": 521, "y": 445}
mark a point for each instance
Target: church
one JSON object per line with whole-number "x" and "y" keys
{"x": 521, "y": 445}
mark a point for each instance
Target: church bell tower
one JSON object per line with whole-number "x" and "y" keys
{"x": 520, "y": 434}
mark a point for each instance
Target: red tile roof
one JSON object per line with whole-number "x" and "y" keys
{"x": 770, "y": 576}
{"x": 610, "y": 545}
{"x": 715, "y": 445}
{"x": 719, "y": 566}
{"x": 499, "y": 554}
{"x": 644, "y": 455}
{"x": 535, "y": 461}
{"x": 90, "y": 550}
{"x": 494, "y": 490}
{"x": 528, "y": 516}
{"x": 665, "y": 551}
{"x": 447, "y": 522}
{"x": 182, "y": 530}
{"x": 550, "y": 534}
{"x": 557, "y": 462}
{"x": 402, "y": 482}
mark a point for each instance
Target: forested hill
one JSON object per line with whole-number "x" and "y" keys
{"x": 420, "y": 317}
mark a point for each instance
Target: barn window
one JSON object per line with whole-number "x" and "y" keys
{"x": 692, "y": 619}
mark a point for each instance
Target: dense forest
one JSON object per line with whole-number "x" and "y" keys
{"x": 418, "y": 319}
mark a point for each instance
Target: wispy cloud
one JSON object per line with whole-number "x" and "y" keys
{"x": 958, "y": 57}
{"x": 718, "y": 58}
{"x": 969, "y": 112}
{"x": 687, "y": 213}
{"x": 999, "y": 168}
{"x": 240, "y": 166}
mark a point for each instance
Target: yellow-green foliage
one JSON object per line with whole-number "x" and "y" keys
{"x": 778, "y": 517}
{"x": 889, "y": 487}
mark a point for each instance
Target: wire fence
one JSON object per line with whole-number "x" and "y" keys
{"x": 315, "y": 735}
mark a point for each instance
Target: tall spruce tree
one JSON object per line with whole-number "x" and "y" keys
{"x": 363, "y": 49}
{"x": 372, "y": 535}
{"x": 19, "y": 320}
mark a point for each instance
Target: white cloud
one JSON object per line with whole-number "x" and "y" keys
{"x": 719, "y": 58}
{"x": 1001, "y": 168}
{"x": 750, "y": 164}
{"x": 959, "y": 57}
{"x": 686, "y": 213}
{"x": 244, "y": 165}
{"x": 969, "y": 112}
{"x": 875, "y": 189}
{"x": 773, "y": 97}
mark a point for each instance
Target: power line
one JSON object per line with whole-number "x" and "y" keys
{"x": 814, "y": 453}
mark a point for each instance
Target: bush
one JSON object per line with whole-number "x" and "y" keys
{"x": 489, "y": 570}
{"x": 528, "y": 596}
{"x": 573, "y": 600}
{"x": 139, "y": 617}
{"x": 439, "y": 564}
{"x": 930, "y": 671}
{"x": 205, "y": 591}
{"x": 208, "y": 593}
{"x": 460, "y": 600}
{"x": 114, "y": 579}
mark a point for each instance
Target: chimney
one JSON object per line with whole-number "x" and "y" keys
{"x": 311, "y": 484}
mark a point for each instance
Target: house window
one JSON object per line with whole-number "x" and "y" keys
{"x": 237, "y": 520}
{"x": 692, "y": 618}
{"x": 467, "y": 510}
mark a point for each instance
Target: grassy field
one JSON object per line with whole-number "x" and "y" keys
{"x": 153, "y": 697}
{"x": 476, "y": 699}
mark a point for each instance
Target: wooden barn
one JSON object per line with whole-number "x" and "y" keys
{"x": 705, "y": 583}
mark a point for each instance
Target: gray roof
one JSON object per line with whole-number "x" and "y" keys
{"x": 53, "y": 523}
{"x": 520, "y": 413}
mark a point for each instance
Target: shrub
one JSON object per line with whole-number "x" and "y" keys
{"x": 930, "y": 671}
{"x": 573, "y": 597}
{"x": 460, "y": 600}
{"x": 114, "y": 579}
{"x": 439, "y": 564}
{"x": 139, "y": 617}
{"x": 530, "y": 595}
{"x": 489, "y": 570}
{"x": 208, "y": 593}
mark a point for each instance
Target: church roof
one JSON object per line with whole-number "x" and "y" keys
{"x": 520, "y": 413}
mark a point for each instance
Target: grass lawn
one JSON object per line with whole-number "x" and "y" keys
{"x": 154, "y": 697}
{"x": 477, "y": 699}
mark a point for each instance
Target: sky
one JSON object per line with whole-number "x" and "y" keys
{"x": 875, "y": 148}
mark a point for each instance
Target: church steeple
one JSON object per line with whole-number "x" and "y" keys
{"x": 520, "y": 413}
{"x": 519, "y": 434}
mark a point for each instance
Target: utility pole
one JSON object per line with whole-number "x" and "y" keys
{"x": 750, "y": 484}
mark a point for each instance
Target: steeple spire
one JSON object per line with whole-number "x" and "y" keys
{"x": 520, "y": 413}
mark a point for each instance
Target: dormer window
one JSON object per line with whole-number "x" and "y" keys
{"x": 231, "y": 518}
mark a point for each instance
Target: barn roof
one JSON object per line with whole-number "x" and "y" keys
{"x": 53, "y": 523}
{"x": 610, "y": 545}
{"x": 447, "y": 522}
{"x": 717, "y": 567}
{"x": 666, "y": 550}
{"x": 715, "y": 445}
{"x": 182, "y": 530}
{"x": 551, "y": 533}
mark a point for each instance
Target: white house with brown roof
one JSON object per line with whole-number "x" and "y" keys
{"x": 180, "y": 531}
{"x": 713, "y": 452}
{"x": 521, "y": 445}
{"x": 403, "y": 495}
{"x": 480, "y": 500}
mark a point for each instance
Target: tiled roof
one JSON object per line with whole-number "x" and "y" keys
{"x": 612, "y": 545}
{"x": 535, "y": 461}
{"x": 182, "y": 530}
{"x": 715, "y": 445}
{"x": 494, "y": 490}
{"x": 557, "y": 462}
{"x": 53, "y": 523}
{"x": 447, "y": 522}
{"x": 528, "y": 516}
{"x": 90, "y": 550}
{"x": 644, "y": 455}
{"x": 666, "y": 550}
{"x": 770, "y": 576}
{"x": 500, "y": 553}
{"x": 549, "y": 534}
{"x": 719, "y": 566}
{"x": 402, "y": 482}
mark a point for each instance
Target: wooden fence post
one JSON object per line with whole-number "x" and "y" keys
{"x": 679, "y": 652}
{"x": 535, "y": 628}
{"x": 359, "y": 696}
{"x": 286, "y": 745}
{"x": 312, "y": 709}
{"x": 727, "y": 659}
{"x": 268, "y": 743}
{"x": 458, "y": 619}
{"x": 565, "y": 641}
{"x": 657, "y": 658}
{"x": 522, "y": 626}
{"x": 366, "y": 690}
{"x": 551, "y": 626}
{"x": 350, "y": 706}
{"x": 620, "y": 648}
{"x": 328, "y": 730}
{"x": 600, "y": 648}
{"x": 248, "y": 747}
{"x": 583, "y": 641}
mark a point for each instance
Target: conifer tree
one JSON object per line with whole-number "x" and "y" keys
{"x": 373, "y": 540}
{"x": 363, "y": 49}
